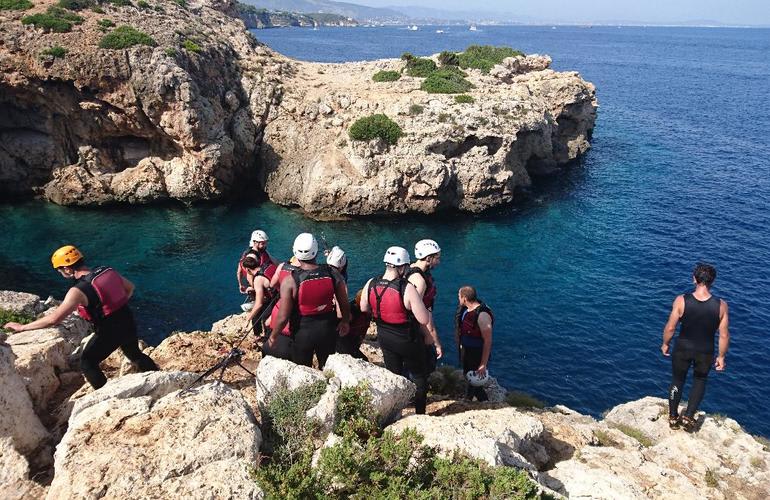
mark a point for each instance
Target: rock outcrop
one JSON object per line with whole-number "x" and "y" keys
{"x": 138, "y": 437}
{"x": 527, "y": 120}
{"x": 180, "y": 120}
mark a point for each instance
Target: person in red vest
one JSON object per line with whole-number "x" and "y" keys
{"x": 428, "y": 255}
{"x": 399, "y": 311}
{"x": 474, "y": 336}
{"x": 100, "y": 296}
{"x": 308, "y": 298}
{"x": 282, "y": 345}
{"x": 258, "y": 250}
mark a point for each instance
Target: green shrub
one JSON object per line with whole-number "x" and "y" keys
{"x": 447, "y": 58}
{"x": 464, "y": 99}
{"x": 181, "y": 3}
{"x": 416, "y": 109}
{"x": 97, "y": 9}
{"x": 711, "y": 478}
{"x": 105, "y": 24}
{"x": 120, "y": 3}
{"x": 445, "y": 81}
{"x": 75, "y": 4}
{"x": 142, "y": 4}
{"x": 605, "y": 438}
{"x": 123, "y": 37}
{"x": 523, "y": 400}
{"x": 386, "y": 76}
{"x": 171, "y": 52}
{"x": 407, "y": 56}
{"x": 420, "y": 66}
{"x": 55, "y": 19}
{"x": 484, "y": 57}
{"x": 446, "y": 380}
{"x": 7, "y": 316}
{"x": 635, "y": 433}
{"x": 354, "y": 413}
{"x": 444, "y": 117}
{"x": 191, "y": 46}
{"x": 763, "y": 441}
{"x": 15, "y": 4}
{"x": 374, "y": 126}
{"x": 56, "y": 51}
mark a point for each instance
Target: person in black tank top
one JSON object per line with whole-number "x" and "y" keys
{"x": 701, "y": 315}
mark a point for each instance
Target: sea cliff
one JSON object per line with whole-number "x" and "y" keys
{"x": 142, "y": 436}
{"x": 175, "y": 100}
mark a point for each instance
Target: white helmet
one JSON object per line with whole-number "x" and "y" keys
{"x": 305, "y": 247}
{"x": 258, "y": 235}
{"x": 424, "y": 248}
{"x": 336, "y": 257}
{"x": 475, "y": 380}
{"x": 396, "y": 256}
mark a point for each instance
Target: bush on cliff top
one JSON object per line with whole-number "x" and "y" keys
{"x": 484, "y": 57}
{"x": 420, "y": 66}
{"x": 7, "y": 316}
{"x": 447, "y": 58}
{"x": 386, "y": 76}
{"x": 375, "y": 126}
{"x": 57, "y": 51}
{"x": 54, "y": 19}
{"x": 75, "y": 4}
{"x": 445, "y": 81}
{"x": 123, "y": 37}
{"x": 191, "y": 46}
{"x": 372, "y": 466}
{"x": 464, "y": 99}
{"x": 15, "y": 4}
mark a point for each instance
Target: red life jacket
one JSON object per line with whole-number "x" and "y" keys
{"x": 315, "y": 290}
{"x": 110, "y": 292}
{"x": 470, "y": 332}
{"x": 286, "y": 270}
{"x": 359, "y": 321}
{"x": 386, "y": 299}
{"x": 266, "y": 266}
{"x": 429, "y": 297}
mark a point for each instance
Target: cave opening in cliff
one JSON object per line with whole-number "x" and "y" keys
{"x": 455, "y": 149}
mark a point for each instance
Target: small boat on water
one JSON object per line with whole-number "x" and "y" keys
{"x": 439, "y": 31}
{"x": 413, "y": 27}
{"x": 472, "y": 28}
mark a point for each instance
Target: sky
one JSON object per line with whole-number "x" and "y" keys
{"x": 737, "y": 12}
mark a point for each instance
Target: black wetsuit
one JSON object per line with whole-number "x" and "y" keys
{"x": 116, "y": 330}
{"x": 694, "y": 347}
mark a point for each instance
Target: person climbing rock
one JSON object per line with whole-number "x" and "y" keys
{"x": 259, "y": 292}
{"x": 307, "y": 302}
{"x": 399, "y": 311}
{"x": 428, "y": 255}
{"x": 474, "y": 337}
{"x": 701, "y": 315}
{"x": 258, "y": 250}
{"x": 101, "y": 296}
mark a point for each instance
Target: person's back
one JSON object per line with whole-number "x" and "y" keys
{"x": 701, "y": 315}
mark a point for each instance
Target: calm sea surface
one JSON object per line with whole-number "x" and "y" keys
{"x": 581, "y": 276}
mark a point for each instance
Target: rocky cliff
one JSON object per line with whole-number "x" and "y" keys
{"x": 184, "y": 104}
{"x": 178, "y": 115}
{"x": 255, "y": 18}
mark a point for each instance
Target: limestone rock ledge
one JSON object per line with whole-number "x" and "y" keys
{"x": 139, "y": 124}
{"x": 526, "y": 120}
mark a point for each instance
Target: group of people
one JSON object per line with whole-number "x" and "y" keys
{"x": 303, "y": 308}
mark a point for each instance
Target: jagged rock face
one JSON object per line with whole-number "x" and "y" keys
{"x": 139, "y": 124}
{"x": 139, "y": 438}
{"x": 528, "y": 120}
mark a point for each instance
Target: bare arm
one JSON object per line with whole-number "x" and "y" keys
{"x": 239, "y": 277}
{"x": 288, "y": 288}
{"x": 259, "y": 284}
{"x": 485, "y": 325}
{"x": 677, "y": 309}
{"x": 414, "y": 303}
{"x": 274, "y": 279}
{"x": 419, "y": 283}
{"x": 724, "y": 336}
{"x": 364, "y": 304}
{"x": 71, "y": 301}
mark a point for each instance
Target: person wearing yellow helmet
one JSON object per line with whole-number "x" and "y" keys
{"x": 100, "y": 295}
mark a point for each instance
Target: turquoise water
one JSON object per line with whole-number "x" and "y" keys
{"x": 581, "y": 275}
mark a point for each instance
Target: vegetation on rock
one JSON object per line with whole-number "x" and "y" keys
{"x": 421, "y": 67}
{"x": 57, "y": 51}
{"x": 142, "y": 4}
{"x": 445, "y": 81}
{"x": 191, "y": 46}
{"x": 375, "y": 126}
{"x": 447, "y": 58}
{"x": 120, "y": 3}
{"x": 123, "y": 37}
{"x": 15, "y": 4}
{"x": 386, "y": 76}
{"x": 170, "y": 51}
{"x": 7, "y": 316}
{"x": 370, "y": 465}
{"x": 484, "y": 57}
{"x": 75, "y": 4}
{"x": 464, "y": 99}
{"x": 416, "y": 109}
{"x": 105, "y": 24}
{"x": 635, "y": 433}
{"x": 523, "y": 400}
{"x": 54, "y": 19}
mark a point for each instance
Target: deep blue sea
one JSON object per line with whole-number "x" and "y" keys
{"x": 581, "y": 276}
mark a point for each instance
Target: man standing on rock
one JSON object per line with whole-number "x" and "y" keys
{"x": 474, "y": 336}
{"x": 101, "y": 296}
{"x": 428, "y": 255}
{"x": 399, "y": 312}
{"x": 308, "y": 298}
{"x": 701, "y": 315}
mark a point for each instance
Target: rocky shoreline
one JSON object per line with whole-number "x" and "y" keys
{"x": 139, "y": 437}
{"x": 200, "y": 110}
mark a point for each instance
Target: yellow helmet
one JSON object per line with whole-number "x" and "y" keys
{"x": 65, "y": 256}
